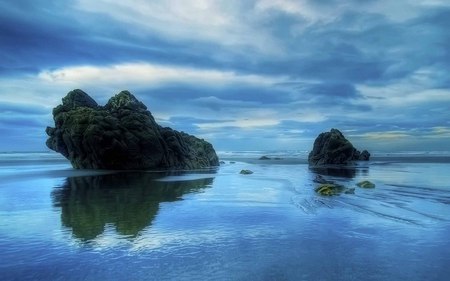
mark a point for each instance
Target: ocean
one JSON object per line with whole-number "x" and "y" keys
{"x": 57, "y": 223}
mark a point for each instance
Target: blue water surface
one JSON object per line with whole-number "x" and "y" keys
{"x": 57, "y": 223}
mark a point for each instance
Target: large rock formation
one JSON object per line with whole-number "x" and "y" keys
{"x": 122, "y": 135}
{"x": 333, "y": 148}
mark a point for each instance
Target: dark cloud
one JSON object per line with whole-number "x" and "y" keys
{"x": 41, "y": 35}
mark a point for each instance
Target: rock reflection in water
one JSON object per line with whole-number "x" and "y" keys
{"x": 344, "y": 172}
{"x": 128, "y": 201}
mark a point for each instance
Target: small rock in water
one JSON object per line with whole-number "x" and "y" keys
{"x": 246, "y": 172}
{"x": 222, "y": 162}
{"x": 264, "y": 158}
{"x": 366, "y": 184}
{"x": 329, "y": 189}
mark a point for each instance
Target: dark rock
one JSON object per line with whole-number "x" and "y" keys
{"x": 122, "y": 135}
{"x": 264, "y": 158}
{"x": 246, "y": 172}
{"x": 222, "y": 163}
{"x": 333, "y": 148}
{"x": 365, "y": 155}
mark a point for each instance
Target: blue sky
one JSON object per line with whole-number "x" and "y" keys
{"x": 244, "y": 75}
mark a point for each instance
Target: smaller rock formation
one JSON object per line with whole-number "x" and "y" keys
{"x": 332, "y": 148}
{"x": 264, "y": 158}
{"x": 246, "y": 172}
{"x": 365, "y": 155}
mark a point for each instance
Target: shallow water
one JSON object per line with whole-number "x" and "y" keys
{"x": 60, "y": 224}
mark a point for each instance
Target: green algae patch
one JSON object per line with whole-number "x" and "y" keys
{"x": 366, "y": 184}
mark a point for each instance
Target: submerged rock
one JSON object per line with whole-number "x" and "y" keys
{"x": 122, "y": 135}
{"x": 246, "y": 172}
{"x": 366, "y": 184}
{"x": 329, "y": 189}
{"x": 331, "y": 148}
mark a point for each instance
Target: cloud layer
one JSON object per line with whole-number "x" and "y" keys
{"x": 242, "y": 74}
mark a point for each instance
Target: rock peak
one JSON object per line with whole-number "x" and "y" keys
{"x": 124, "y": 99}
{"x": 78, "y": 98}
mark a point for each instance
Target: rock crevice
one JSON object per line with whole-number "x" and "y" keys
{"x": 122, "y": 135}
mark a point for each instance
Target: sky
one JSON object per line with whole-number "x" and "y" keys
{"x": 244, "y": 75}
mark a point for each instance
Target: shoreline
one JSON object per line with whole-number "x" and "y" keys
{"x": 373, "y": 160}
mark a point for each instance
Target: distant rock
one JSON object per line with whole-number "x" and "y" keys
{"x": 122, "y": 135}
{"x": 264, "y": 158}
{"x": 331, "y": 148}
{"x": 246, "y": 172}
{"x": 365, "y": 155}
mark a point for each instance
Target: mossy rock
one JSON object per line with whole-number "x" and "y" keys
{"x": 366, "y": 184}
{"x": 246, "y": 172}
{"x": 122, "y": 135}
{"x": 330, "y": 189}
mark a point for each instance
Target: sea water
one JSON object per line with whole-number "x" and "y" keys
{"x": 57, "y": 223}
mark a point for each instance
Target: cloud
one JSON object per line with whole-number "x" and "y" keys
{"x": 150, "y": 74}
{"x": 278, "y": 71}
{"x": 7, "y": 108}
{"x": 208, "y": 21}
